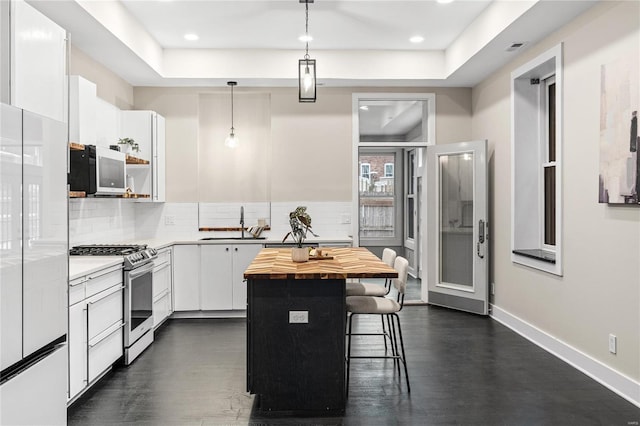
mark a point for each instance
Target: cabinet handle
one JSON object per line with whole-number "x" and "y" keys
{"x": 227, "y": 249}
{"x": 98, "y": 342}
{"x": 102, "y": 298}
{"x": 236, "y": 249}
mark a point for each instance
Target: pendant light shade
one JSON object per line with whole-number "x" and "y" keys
{"x": 307, "y": 80}
{"x": 232, "y": 140}
{"x": 306, "y": 66}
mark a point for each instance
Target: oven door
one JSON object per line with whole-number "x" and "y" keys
{"x": 138, "y": 303}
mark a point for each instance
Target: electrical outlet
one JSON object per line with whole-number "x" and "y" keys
{"x": 613, "y": 344}
{"x": 169, "y": 220}
{"x": 345, "y": 218}
{"x": 298, "y": 317}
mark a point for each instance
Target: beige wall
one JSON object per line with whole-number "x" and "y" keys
{"x": 600, "y": 290}
{"x": 311, "y": 143}
{"x": 111, "y": 88}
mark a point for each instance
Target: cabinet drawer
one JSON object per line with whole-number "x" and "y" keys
{"x": 161, "y": 280}
{"x": 164, "y": 256}
{"x": 102, "y": 280}
{"x": 76, "y": 293}
{"x": 104, "y": 310}
{"x": 161, "y": 309}
{"x": 105, "y": 352}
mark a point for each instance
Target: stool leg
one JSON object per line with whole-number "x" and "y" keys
{"x": 384, "y": 334}
{"x": 404, "y": 359}
{"x": 349, "y": 355}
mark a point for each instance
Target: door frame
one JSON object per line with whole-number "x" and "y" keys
{"x": 428, "y": 122}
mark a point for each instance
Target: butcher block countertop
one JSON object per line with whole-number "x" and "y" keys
{"x": 347, "y": 262}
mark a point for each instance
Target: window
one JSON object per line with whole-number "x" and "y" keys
{"x": 388, "y": 169}
{"x": 365, "y": 170}
{"x": 536, "y": 164}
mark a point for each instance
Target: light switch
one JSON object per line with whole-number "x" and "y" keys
{"x": 298, "y": 317}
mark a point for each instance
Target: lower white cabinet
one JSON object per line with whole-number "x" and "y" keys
{"x": 162, "y": 285}
{"x": 95, "y": 327}
{"x": 186, "y": 277}
{"x": 209, "y": 277}
{"x": 243, "y": 255}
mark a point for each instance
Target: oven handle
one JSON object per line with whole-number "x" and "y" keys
{"x": 135, "y": 273}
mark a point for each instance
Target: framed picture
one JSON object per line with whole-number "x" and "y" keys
{"x": 619, "y": 140}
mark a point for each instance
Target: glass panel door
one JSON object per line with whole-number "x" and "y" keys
{"x": 457, "y": 246}
{"x": 378, "y": 192}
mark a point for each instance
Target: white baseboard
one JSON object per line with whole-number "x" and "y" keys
{"x": 617, "y": 382}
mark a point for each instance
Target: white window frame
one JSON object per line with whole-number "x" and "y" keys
{"x": 392, "y": 170}
{"x": 545, "y": 82}
{"x": 362, "y": 166}
{"x": 529, "y": 140}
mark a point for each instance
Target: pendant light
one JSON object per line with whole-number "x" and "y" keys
{"x": 306, "y": 66}
{"x": 232, "y": 140}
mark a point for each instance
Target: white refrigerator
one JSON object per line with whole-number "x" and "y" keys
{"x": 33, "y": 268}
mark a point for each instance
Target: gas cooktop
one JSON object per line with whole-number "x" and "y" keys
{"x": 106, "y": 249}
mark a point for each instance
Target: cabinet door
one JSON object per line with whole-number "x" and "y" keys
{"x": 186, "y": 277}
{"x": 215, "y": 277}
{"x": 82, "y": 110}
{"x": 77, "y": 348}
{"x": 243, "y": 255}
{"x": 138, "y": 125}
{"x": 38, "y": 64}
{"x": 158, "y": 163}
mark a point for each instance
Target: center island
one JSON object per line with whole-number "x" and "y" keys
{"x": 296, "y": 316}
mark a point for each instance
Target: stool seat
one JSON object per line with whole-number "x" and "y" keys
{"x": 365, "y": 289}
{"x": 371, "y": 305}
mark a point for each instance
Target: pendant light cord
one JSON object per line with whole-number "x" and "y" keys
{"x": 306, "y": 30}
{"x": 232, "y": 109}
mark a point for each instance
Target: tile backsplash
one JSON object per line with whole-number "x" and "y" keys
{"x": 108, "y": 221}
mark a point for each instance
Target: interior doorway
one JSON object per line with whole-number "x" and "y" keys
{"x": 391, "y": 132}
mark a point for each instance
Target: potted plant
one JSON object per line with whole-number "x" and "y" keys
{"x": 128, "y": 144}
{"x": 300, "y": 222}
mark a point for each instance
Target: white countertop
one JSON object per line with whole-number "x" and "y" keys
{"x": 83, "y": 265}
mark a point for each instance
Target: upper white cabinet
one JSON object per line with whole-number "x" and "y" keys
{"x": 37, "y": 62}
{"x": 147, "y": 128}
{"x": 82, "y": 111}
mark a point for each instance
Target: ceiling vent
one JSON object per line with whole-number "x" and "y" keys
{"x": 514, "y": 46}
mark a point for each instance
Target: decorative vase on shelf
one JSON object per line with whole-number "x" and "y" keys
{"x": 300, "y": 254}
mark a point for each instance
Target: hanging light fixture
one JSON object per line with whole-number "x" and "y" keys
{"x": 306, "y": 66}
{"x": 232, "y": 140}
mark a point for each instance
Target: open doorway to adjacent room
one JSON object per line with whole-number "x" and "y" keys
{"x": 391, "y": 132}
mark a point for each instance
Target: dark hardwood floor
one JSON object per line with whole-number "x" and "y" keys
{"x": 464, "y": 370}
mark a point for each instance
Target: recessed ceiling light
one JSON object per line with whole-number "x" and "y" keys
{"x": 364, "y": 108}
{"x": 305, "y": 38}
{"x": 416, "y": 39}
{"x": 445, "y": 1}
{"x": 191, "y": 37}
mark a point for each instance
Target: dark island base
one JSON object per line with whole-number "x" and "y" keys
{"x": 296, "y": 367}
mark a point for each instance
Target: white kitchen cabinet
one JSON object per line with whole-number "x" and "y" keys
{"x": 243, "y": 255}
{"x": 38, "y": 62}
{"x": 209, "y": 277}
{"x": 186, "y": 277}
{"x": 95, "y": 332}
{"x": 147, "y": 128}
{"x": 162, "y": 284}
{"x": 77, "y": 348}
{"x": 216, "y": 277}
{"x": 82, "y": 110}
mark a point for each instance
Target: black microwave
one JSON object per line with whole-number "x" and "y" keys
{"x": 99, "y": 171}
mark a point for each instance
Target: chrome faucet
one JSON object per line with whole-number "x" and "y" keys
{"x": 242, "y": 221}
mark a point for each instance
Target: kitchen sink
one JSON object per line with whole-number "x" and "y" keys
{"x": 232, "y": 238}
